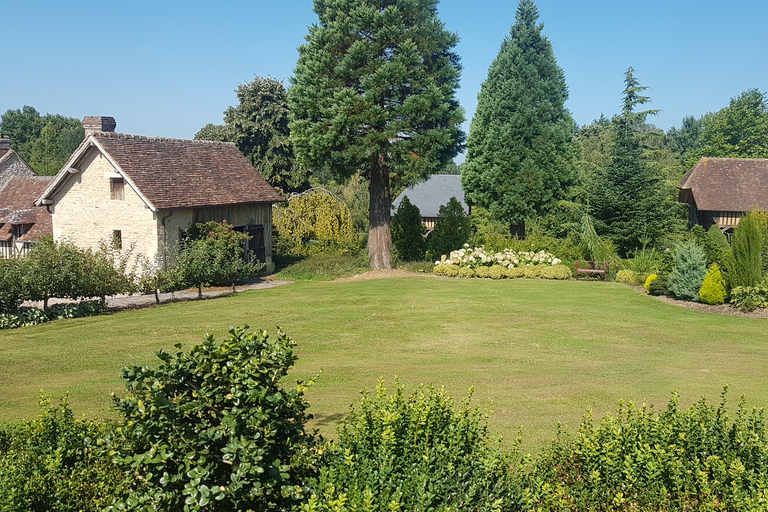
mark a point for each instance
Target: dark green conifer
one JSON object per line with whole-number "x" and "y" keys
{"x": 408, "y": 232}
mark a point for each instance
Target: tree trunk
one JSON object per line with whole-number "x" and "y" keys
{"x": 379, "y": 234}
{"x": 157, "y": 297}
{"x": 200, "y": 291}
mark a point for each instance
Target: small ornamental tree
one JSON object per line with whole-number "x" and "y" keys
{"x": 690, "y": 269}
{"x": 452, "y": 230}
{"x": 11, "y": 284}
{"x": 54, "y": 269}
{"x": 713, "y": 289}
{"x": 746, "y": 247}
{"x": 408, "y": 232}
{"x": 213, "y": 428}
{"x": 214, "y": 253}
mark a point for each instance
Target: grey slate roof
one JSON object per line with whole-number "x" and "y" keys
{"x": 433, "y": 193}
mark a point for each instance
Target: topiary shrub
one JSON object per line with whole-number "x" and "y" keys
{"x": 399, "y": 453}
{"x": 451, "y": 270}
{"x": 750, "y": 298}
{"x": 556, "y": 272}
{"x": 408, "y": 232}
{"x": 689, "y": 271}
{"x": 441, "y": 270}
{"x": 214, "y": 429}
{"x": 482, "y": 271}
{"x": 466, "y": 272}
{"x": 629, "y": 277}
{"x": 496, "y": 272}
{"x": 514, "y": 272}
{"x": 713, "y": 289}
{"x": 659, "y": 286}
{"x": 650, "y": 279}
{"x": 531, "y": 271}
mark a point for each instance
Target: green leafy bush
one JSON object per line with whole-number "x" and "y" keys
{"x": 659, "y": 286}
{"x": 453, "y": 271}
{"x": 694, "y": 459}
{"x": 213, "y": 429}
{"x": 488, "y": 232}
{"x": 11, "y": 284}
{"x": 496, "y": 272}
{"x": 556, "y": 272}
{"x": 689, "y": 271}
{"x": 750, "y": 298}
{"x": 24, "y": 317}
{"x": 514, "y": 272}
{"x": 56, "y": 462}
{"x": 398, "y": 453}
{"x": 713, "y": 289}
{"x": 746, "y": 247}
{"x": 452, "y": 230}
{"x": 408, "y": 232}
{"x": 442, "y": 270}
{"x": 531, "y": 271}
{"x": 480, "y": 271}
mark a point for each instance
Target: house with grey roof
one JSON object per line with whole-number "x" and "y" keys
{"x": 11, "y": 163}
{"x": 721, "y": 190}
{"x": 431, "y": 194}
{"x": 145, "y": 192}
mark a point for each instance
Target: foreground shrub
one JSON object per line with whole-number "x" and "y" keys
{"x": 689, "y": 271}
{"x": 750, "y": 298}
{"x": 695, "y": 459}
{"x": 398, "y": 452}
{"x": 713, "y": 289}
{"x": 213, "y": 429}
{"x": 556, "y": 272}
{"x": 56, "y": 462}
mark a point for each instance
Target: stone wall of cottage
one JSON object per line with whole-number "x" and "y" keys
{"x": 13, "y": 166}
{"x": 84, "y": 212}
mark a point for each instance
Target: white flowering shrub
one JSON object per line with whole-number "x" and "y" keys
{"x": 478, "y": 257}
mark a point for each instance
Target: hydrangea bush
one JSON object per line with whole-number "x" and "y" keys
{"x": 478, "y": 257}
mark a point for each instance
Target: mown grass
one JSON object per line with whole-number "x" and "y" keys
{"x": 541, "y": 352}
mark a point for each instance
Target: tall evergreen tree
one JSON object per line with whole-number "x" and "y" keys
{"x": 519, "y": 159}
{"x": 628, "y": 199}
{"x": 374, "y": 91}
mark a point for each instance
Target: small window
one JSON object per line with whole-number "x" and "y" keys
{"x": 117, "y": 239}
{"x": 117, "y": 189}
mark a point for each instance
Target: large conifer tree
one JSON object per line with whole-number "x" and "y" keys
{"x": 519, "y": 159}
{"x": 373, "y": 92}
{"x": 628, "y": 199}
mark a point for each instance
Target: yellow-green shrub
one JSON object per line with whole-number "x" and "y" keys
{"x": 650, "y": 279}
{"x": 556, "y": 272}
{"x": 482, "y": 271}
{"x": 496, "y": 272}
{"x": 452, "y": 271}
{"x": 713, "y": 289}
{"x": 531, "y": 271}
{"x": 440, "y": 270}
{"x": 627, "y": 277}
{"x": 514, "y": 272}
{"x": 466, "y": 272}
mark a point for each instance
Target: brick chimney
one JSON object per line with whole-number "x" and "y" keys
{"x": 98, "y": 124}
{"x": 5, "y": 145}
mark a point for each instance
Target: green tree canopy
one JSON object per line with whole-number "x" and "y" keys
{"x": 740, "y": 130}
{"x": 408, "y": 232}
{"x": 374, "y": 91}
{"x": 258, "y": 124}
{"x": 519, "y": 158}
{"x": 45, "y": 142}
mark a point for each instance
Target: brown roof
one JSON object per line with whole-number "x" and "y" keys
{"x": 175, "y": 173}
{"x": 17, "y": 205}
{"x": 727, "y": 184}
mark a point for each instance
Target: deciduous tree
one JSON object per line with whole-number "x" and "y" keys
{"x": 374, "y": 91}
{"x": 519, "y": 153}
{"x": 740, "y": 130}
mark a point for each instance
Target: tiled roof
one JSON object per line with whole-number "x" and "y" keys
{"x": 17, "y": 204}
{"x": 175, "y": 173}
{"x": 433, "y": 193}
{"x": 727, "y": 184}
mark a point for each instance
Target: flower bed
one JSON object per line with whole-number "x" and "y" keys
{"x": 476, "y": 262}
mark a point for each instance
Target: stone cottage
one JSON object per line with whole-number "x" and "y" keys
{"x": 145, "y": 191}
{"x": 11, "y": 163}
{"x": 21, "y": 222}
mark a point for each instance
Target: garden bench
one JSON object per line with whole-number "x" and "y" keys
{"x": 590, "y": 268}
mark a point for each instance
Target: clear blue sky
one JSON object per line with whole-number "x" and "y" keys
{"x": 168, "y": 67}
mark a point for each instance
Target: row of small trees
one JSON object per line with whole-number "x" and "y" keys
{"x": 212, "y": 253}
{"x": 451, "y": 231}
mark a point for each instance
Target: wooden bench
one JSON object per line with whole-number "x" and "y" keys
{"x": 591, "y": 268}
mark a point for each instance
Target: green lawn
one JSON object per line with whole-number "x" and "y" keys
{"x": 541, "y": 351}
